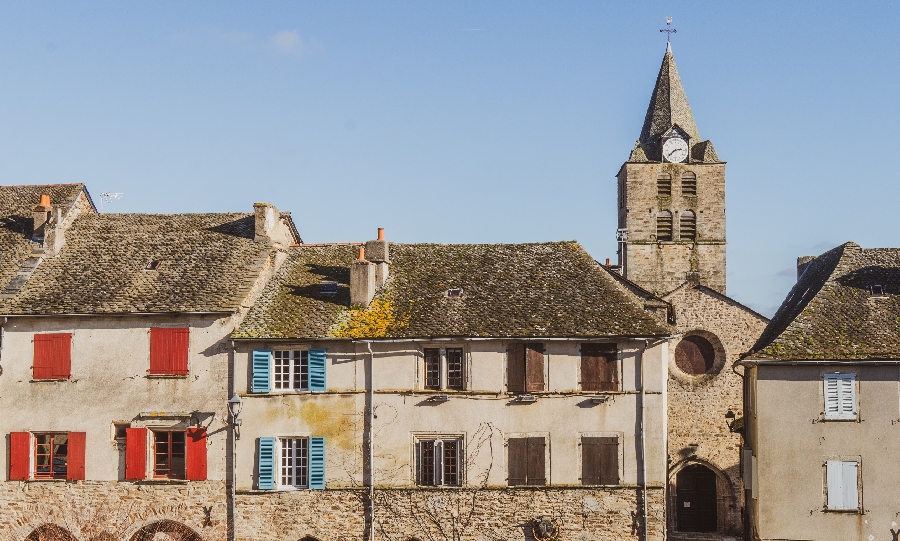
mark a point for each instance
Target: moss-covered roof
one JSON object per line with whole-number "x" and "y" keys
{"x": 550, "y": 289}
{"x": 845, "y": 306}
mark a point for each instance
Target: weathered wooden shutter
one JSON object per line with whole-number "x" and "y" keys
{"x": 19, "y": 456}
{"x": 52, "y": 356}
{"x": 536, "y": 451}
{"x": 609, "y": 461}
{"x": 195, "y": 449}
{"x": 841, "y": 478}
{"x": 261, "y": 380}
{"x": 840, "y": 396}
{"x": 135, "y": 453}
{"x": 517, "y": 461}
{"x": 317, "y": 462}
{"x": 169, "y": 351}
{"x": 515, "y": 367}
{"x": 599, "y": 367}
{"x": 317, "y": 361}
{"x": 266, "y": 463}
{"x": 590, "y": 461}
{"x": 534, "y": 367}
{"x": 76, "y": 444}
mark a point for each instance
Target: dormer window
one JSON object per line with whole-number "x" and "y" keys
{"x": 688, "y": 184}
{"x": 455, "y": 292}
{"x": 876, "y": 290}
{"x": 664, "y": 226}
{"x": 152, "y": 265}
{"x": 664, "y": 185}
{"x": 329, "y": 288}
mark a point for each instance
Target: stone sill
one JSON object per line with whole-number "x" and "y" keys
{"x": 177, "y": 482}
{"x": 651, "y": 486}
{"x": 167, "y": 376}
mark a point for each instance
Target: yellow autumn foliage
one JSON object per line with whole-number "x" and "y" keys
{"x": 371, "y": 322}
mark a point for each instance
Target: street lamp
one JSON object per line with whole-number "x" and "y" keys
{"x": 235, "y": 404}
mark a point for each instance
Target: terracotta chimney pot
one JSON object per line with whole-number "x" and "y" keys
{"x": 45, "y": 200}
{"x": 380, "y": 233}
{"x": 362, "y": 253}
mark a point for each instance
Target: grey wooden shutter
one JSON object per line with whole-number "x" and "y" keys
{"x": 599, "y": 367}
{"x": 841, "y": 478}
{"x": 515, "y": 368}
{"x": 534, "y": 367}
{"x": 840, "y": 396}
{"x": 516, "y": 464}
{"x": 536, "y": 450}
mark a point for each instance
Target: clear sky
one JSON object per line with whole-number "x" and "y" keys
{"x": 461, "y": 121}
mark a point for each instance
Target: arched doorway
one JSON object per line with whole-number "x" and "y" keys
{"x": 174, "y": 531}
{"x": 696, "y": 500}
{"x": 50, "y": 532}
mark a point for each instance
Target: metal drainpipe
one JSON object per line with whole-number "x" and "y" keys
{"x": 232, "y": 514}
{"x": 370, "y": 440}
{"x": 643, "y": 445}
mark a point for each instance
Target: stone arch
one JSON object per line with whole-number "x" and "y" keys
{"x": 718, "y": 362}
{"x": 308, "y": 538}
{"x": 50, "y": 532}
{"x": 175, "y": 530}
{"x": 728, "y": 508}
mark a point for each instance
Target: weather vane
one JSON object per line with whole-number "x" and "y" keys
{"x": 668, "y": 29}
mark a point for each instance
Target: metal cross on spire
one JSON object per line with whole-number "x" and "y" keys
{"x": 668, "y": 29}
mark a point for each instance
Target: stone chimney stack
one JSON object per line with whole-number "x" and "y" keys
{"x": 362, "y": 280}
{"x": 266, "y": 221}
{"x": 42, "y": 214}
{"x": 379, "y": 253}
{"x": 803, "y": 262}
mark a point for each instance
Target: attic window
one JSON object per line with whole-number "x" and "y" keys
{"x": 153, "y": 265}
{"x": 329, "y": 288}
{"x": 876, "y": 290}
{"x": 455, "y": 292}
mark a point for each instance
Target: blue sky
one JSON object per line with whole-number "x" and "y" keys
{"x": 463, "y": 121}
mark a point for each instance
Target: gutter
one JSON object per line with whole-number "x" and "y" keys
{"x": 811, "y": 362}
{"x": 108, "y": 314}
{"x": 610, "y": 338}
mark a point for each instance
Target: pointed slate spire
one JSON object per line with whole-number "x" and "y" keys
{"x": 668, "y": 106}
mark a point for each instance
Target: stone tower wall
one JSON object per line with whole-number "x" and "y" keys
{"x": 662, "y": 266}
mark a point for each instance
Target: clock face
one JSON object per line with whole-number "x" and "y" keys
{"x": 675, "y": 150}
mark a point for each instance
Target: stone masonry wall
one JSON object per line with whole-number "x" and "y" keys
{"x": 111, "y": 511}
{"x": 698, "y": 433}
{"x": 448, "y": 514}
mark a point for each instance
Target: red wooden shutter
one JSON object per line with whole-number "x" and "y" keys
{"x": 75, "y": 464}
{"x": 19, "y": 456}
{"x": 536, "y": 452}
{"x": 599, "y": 367}
{"x": 135, "y": 453}
{"x": 517, "y": 462}
{"x": 169, "y": 351}
{"x": 52, "y": 356}
{"x": 534, "y": 367}
{"x": 515, "y": 368}
{"x": 196, "y": 453}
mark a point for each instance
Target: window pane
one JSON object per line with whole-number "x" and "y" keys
{"x": 426, "y": 463}
{"x": 432, "y": 368}
{"x": 282, "y": 369}
{"x": 294, "y": 462}
{"x": 169, "y": 454}
{"x": 455, "y": 369}
{"x": 451, "y": 466}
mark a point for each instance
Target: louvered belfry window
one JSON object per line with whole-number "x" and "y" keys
{"x": 664, "y": 185}
{"x": 664, "y": 225}
{"x": 688, "y": 184}
{"x": 840, "y": 396}
{"x": 688, "y": 226}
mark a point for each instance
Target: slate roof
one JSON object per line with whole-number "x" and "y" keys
{"x": 669, "y": 107}
{"x": 831, "y": 312}
{"x": 17, "y": 223}
{"x": 550, "y": 289}
{"x": 208, "y": 264}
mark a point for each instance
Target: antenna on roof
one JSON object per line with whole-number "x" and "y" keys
{"x": 107, "y": 197}
{"x": 668, "y": 30}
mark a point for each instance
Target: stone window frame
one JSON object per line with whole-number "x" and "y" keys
{"x": 860, "y": 508}
{"x": 607, "y": 434}
{"x": 718, "y": 365}
{"x": 547, "y": 455}
{"x": 421, "y": 368}
{"x": 460, "y": 437}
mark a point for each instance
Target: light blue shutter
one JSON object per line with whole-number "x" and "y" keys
{"x": 851, "y": 496}
{"x": 317, "y": 462}
{"x": 266, "y": 463}
{"x": 261, "y": 380}
{"x": 834, "y": 476}
{"x": 317, "y": 361}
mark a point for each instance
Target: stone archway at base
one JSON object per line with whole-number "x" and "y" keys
{"x": 695, "y": 500}
{"x": 175, "y": 531}
{"x": 702, "y": 480}
{"x": 50, "y": 532}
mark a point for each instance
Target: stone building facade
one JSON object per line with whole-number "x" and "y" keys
{"x": 671, "y": 202}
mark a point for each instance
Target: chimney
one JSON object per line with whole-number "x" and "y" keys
{"x": 379, "y": 254}
{"x": 803, "y": 262}
{"x": 267, "y": 220}
{"x": 362, "y": 280}
{"x": 42, "y": 214}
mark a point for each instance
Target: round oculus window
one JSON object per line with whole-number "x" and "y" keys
{"x": 695, "y": 355}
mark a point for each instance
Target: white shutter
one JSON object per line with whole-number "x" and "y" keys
{"x": 842, "y": 485}
{"x": 840, "y": 396}
{"x": 438, "y": 463}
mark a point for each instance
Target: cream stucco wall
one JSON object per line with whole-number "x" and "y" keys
{"x": 484, "y": 415}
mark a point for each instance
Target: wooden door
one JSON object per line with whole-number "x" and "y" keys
{"x": 696, "y": 499}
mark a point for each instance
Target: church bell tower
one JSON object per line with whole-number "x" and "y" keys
{"x": 672, "y": 197}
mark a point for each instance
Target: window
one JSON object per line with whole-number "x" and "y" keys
{"x": 329, "y": 288}
{"x": 599, "y": 367}
{"x": 291, "y": 369}
{"x": 664, "y": 185}
{"x": 695, "y": 355}
{"x": 438, "y": 462}
{"x": 525, "y": 367}
{"x": 842, "y": 480}
{"x": 294, "y": 462}
{"x": 688, "y": 226}
{"x": 664, "y": 225}
{"x": 169, "y": 351}
{"x": 840, "y": 396}
{"x": 688, "y": 184}
{"x": 169, "y": 454}
{"x": 600, "y": 460}
{"x": 51, "y": 456}
{"x": 433, "y": 368}
{"x": 152, "y": 265}
{"x": 52, "y": 356}
{"x": 525, "y": 464}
